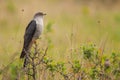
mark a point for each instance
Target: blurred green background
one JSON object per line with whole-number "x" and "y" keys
{"x": 68, "y": 24}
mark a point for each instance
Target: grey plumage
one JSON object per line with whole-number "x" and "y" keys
{"x": 29, "y": 33}
{"x": 32, "y": 32}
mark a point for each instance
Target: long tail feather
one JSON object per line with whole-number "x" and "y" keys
{"x": 22, "y": 54}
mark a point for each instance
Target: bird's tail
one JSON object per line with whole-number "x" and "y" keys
{"x": 22, "y": 54}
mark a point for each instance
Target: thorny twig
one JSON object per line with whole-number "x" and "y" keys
{"x": 42, "y": 57}
{"x": 32, "y": 61}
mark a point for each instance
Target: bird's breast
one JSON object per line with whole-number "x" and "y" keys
{"x": 38, "y": 31}
{"x": 39, "y": 28}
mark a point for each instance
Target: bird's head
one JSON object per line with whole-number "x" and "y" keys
{"x": 39, "y": 14}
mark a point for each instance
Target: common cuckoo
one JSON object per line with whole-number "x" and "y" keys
{"x": 32, "y": 32}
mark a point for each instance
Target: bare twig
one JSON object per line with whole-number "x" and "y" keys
{"x": 42, "y": 57}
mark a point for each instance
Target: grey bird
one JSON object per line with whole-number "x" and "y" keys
{"x": 32, "y": 32}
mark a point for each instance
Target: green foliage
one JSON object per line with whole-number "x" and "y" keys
{"x": 94, "y": 73}
{"x": 47, "y": 32}
{"x": 11, "y": 6}
{"x": 48, "y": 27}
{"x": 13, "y": 69}
{"x": 46, "y": 60}
{"x": 88, "y": 50}
{"x": 52, "y": 66}
{"x": 61, "y": 67}
{"x": 91, "y": 65}
{"x": 76, "y": 66}
{"x": 101, "y": 65}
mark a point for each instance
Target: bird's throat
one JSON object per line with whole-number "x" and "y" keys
{"x": 39, "y": 20}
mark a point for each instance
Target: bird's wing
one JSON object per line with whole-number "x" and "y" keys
{"x": 30, "y": 30}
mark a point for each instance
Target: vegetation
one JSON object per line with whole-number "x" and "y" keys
{"x": 80, "y": 40}
{"x": 90, "y": 64}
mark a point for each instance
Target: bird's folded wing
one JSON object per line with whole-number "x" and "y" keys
{"x": 30, "y": 31}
